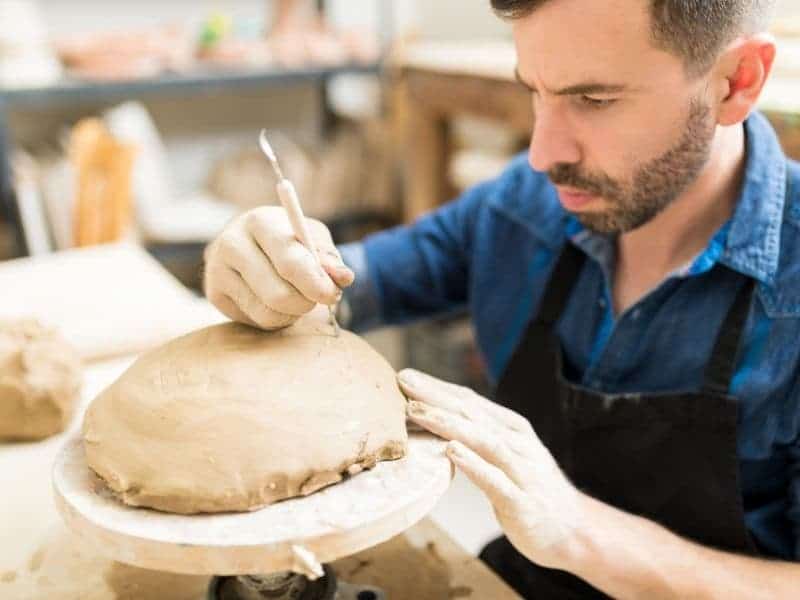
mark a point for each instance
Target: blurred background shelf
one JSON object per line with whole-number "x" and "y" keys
{"x": 193, "y": 100}
{"x": 76, "y": 91}
{"x": 183, "y": 259}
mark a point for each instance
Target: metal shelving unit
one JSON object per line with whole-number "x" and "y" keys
{"x": 72, "y": 92}
{"x": 77, "y": 92}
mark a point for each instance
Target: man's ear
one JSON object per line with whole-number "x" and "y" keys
{"x": 742, "y": 71}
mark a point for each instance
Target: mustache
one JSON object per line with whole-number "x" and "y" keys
{"x": 595, "y": 184}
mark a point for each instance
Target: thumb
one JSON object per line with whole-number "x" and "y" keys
{"x": 329, "y": 256}
{"x": 333, "y": 265}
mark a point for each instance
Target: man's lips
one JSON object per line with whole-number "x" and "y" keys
{"x": 573, "y": 199}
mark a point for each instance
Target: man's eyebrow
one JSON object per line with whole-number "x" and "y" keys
{"x": 580, "y": 88}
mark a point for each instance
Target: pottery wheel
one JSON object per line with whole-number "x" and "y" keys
{"x": 338, "y": 521}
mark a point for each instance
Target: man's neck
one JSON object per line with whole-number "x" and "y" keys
{"x": 685, "y": 227}
{"x": 648, "y": 254}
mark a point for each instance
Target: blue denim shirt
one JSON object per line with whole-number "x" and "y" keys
{"x": 493, "y": 249}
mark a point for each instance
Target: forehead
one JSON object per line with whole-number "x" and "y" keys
{"x": 567, "y": 42}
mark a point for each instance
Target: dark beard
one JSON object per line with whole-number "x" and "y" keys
{"x": 656, "y": 184}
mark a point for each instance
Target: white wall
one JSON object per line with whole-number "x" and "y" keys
{"x": 92, "y": 15}
{"x": 789, "y": 7}
{"x": 431, "y": 18}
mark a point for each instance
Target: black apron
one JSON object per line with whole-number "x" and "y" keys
{"x": 669, "y": 457}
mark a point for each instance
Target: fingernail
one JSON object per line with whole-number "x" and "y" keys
{"x": 409, "y": 378}
{"x": 451, "y": 452}
{"x": 343, "y": 271}
{"x": 415, "y": 409}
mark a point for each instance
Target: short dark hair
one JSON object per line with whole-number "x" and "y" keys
{"x": 694, "y": 30}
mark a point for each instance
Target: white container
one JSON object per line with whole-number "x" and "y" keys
{"x": 27, "y": 58}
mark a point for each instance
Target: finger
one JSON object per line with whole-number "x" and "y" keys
{"x": 420, "y": 380}
{"x": 228, "y": 307}
{"x": 322, "y": 237}
{"x": 489, "y": 444}
{"x": 329, "y": 255}
{"x": 256, "y": 269}
{"x": 508, "y": 418}
{"x": 426, "y": 389}
{"x": 500, "y": 490}
{"x": 429, "y": 389}
{"x": 294, "y": 262}
{"x": 340, "y": 273}
{"x": 263, "y": 316}
{"x": 212, "y": 289}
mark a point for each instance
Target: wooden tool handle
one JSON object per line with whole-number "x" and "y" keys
{"x": 291, "y": 204}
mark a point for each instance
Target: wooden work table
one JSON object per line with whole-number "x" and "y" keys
{"x": 41, "y": 560}
{"x": 436, "y": 82}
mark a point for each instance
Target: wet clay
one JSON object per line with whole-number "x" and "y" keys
{"x": 231, "y": 418}
{"x": 40, "y": 380}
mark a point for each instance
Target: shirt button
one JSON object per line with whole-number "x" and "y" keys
{"x": 602, "y": 303}
{"x": 637, "y": 312}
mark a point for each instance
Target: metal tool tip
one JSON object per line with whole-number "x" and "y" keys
{"x": 265, "y": 147}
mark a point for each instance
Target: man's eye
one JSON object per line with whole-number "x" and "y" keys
{"x": 597, "y": 102}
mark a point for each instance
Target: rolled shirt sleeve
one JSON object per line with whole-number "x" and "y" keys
{"x": 359, "y": 309}
{"x": 414, "y": 271}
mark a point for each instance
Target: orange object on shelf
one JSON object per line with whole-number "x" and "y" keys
{"x": 103, "y": 168}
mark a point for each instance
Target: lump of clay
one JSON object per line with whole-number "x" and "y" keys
{"x": 231, "y": 418}
{"x": 40, "y": 380}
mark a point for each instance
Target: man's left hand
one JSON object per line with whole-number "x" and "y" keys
{"x": 537, "y": 506}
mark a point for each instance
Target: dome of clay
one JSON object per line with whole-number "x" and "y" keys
{"x": 231, "y": 418}
{"x": 40, "y": 380}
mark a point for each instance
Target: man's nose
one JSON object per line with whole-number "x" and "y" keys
{"x": 552, "y": 141}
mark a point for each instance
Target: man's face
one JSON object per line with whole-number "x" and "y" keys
{"x": 620, "y": 128}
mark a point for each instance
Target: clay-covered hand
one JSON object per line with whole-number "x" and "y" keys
{"x": 537, "y": 506}
{"x": 258, "y": 273}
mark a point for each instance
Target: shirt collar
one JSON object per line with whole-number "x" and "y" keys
{"x": 754, "y": 238}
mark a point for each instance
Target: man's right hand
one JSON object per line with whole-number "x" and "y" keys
{"x": 258, "y": 273}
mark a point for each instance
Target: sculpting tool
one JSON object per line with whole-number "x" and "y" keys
{"x": 291, "y": 204}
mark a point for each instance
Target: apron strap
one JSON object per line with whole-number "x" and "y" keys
{"x": 722, "y": 364}
{"x": 565, "y": 275}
